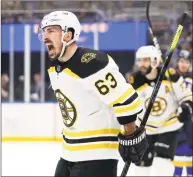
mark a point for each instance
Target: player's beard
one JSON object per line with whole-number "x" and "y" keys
{"x": 144, "y": 71}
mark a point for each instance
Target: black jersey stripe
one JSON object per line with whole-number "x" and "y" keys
{"x": 128, "y": 101}
{"x": 91, "y": 140}
{"x": 148, "y": 124}
{"x": 187, "y": 96}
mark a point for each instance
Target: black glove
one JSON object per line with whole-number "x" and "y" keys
{"x": 132, "y": 147}
{"x": 186, "y": 112}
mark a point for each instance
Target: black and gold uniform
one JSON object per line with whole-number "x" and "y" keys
{"x": 95, "y": 100}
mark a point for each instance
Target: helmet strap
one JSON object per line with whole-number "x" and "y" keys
{"x": 64, "y": 44}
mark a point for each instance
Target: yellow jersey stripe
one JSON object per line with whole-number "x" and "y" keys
{"x": 171, "y": 122}
{"x": 122, "y": 109}
{"x": 189, "y": 79}
{"x": 70, "y": 73}
{"x": 92, "y": 132}
{"x": 161, "y": 122}
{"x": 123, "y": 97}
{"x": 142, "y": 87}
{"x": 51, "y": 69}
{"x": 109, "y": 57}
{"x": 30, "y": 139}
{"x": 90, "y": 146}
{"x": 182, "y": 164}
{"x": 66, "y": 70}
{"x": 150, "y": 129}
{"x": 166, "y": 82}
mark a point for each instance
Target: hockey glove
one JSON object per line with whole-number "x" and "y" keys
{"x": 186, "y": 111}
{"x": 132, "y": 147}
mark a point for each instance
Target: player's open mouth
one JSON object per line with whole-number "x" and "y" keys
{"x": 50, "y": 47}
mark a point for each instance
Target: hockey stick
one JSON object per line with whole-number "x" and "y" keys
{"x": 155, "y": 41}
{"x": 158, "y": 83}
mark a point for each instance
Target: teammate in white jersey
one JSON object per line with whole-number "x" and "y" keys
{"x": 94, "y": 99}
{"x": 163, "y": 123}
{"x": 184, "y": 151}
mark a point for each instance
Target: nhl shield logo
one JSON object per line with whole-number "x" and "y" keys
{"x": 58, "y": 68}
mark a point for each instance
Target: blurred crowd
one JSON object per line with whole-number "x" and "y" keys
{"x": 24, "y": 11}
{"x": 35, "y": 91}
{"x": 17, "y": 11}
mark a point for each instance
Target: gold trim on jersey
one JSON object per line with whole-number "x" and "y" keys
{"x": 90, "y": 146}
{"x": 173, "y": 121}
{"x": 51, "y": 69}
{"x": 165, "y": 82}
{"x": 122, "y": 109}
{"x": 66, "y": 70}
{"x": 34, "y": 139}
{"x": 109, "y": 57}
{"x": 182, "y": 164}
{"x": 150, "y": 122}
{"x": 123, "y": 97}
{"x": 150, "y": 129}
{"x": 142, "y": 87}
{"x": 70, "y": 73}
{"x": 189, "y": 79}
{"x": 91, "y": 132}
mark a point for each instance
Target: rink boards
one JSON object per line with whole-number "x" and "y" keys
{"x": 31, "y": 122}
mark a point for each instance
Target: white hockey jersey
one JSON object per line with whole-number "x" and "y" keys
{"x": 163, "y": 116}
{"x": 94, "y": 99}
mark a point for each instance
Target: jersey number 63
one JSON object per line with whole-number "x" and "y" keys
{"x": 106, "y": 84}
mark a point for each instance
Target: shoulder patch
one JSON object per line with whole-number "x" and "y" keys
{"x": 172, "y": 71}
{"x": 86, "y": 62}
{"x": 136, "y": 79}
{"x": 131, "y": 79}
{"x": 88, "y": 57}
{"x": 172, "y": 75}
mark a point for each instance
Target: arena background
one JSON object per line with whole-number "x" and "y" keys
{"x": 30, "y": 118}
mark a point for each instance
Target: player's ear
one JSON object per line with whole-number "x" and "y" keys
{"x": 68, "y": 36}
{"x": 155, "y": 63}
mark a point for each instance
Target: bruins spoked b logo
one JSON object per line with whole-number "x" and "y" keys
{"x": 67, "y": 108}
{"x": 159, "y": 106}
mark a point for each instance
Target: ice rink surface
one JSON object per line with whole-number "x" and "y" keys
{"x": 35, "y": 159}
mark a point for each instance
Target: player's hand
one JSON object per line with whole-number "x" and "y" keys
{"x": 185, "y": 111}
{"x": 132, "y": 147}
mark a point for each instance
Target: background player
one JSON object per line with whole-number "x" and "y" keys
{"x": 184, "y": 151}
{"x": 163, "y": 124}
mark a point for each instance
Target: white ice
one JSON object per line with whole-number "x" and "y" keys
{"x": 35, "y": 159}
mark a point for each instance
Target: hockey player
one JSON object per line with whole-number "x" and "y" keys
{"x": 184, "y": 151}
{"x": 163, "y": 124}
{"x": 94, "y": 99}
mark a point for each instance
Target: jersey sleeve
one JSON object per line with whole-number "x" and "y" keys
{"x": 189, "y": 83}
{"x": 182, "y": 92}
{"x": 126, "y": 103}
{"x": 114, "y": 91}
